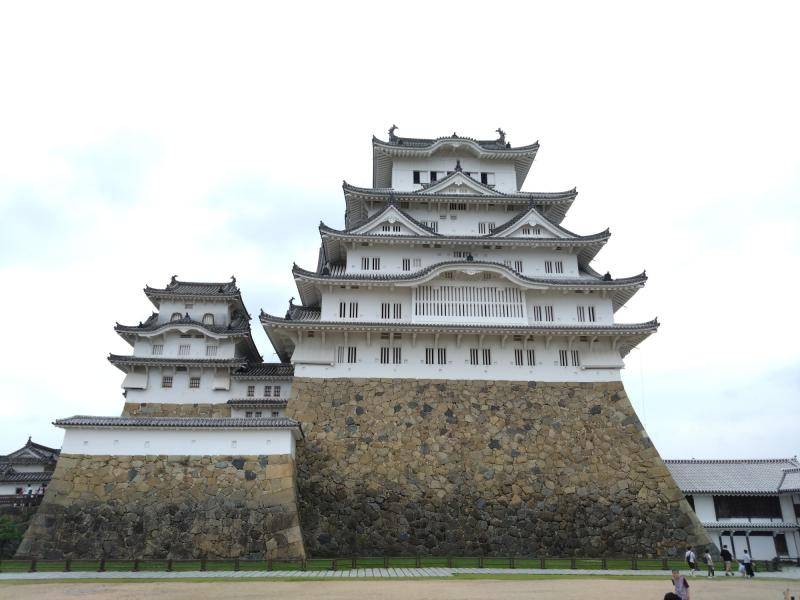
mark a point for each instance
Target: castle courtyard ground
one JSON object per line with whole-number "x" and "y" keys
{"x": 461, "y": 589}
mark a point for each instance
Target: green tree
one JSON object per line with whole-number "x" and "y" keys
{"x": 10, "y": 534}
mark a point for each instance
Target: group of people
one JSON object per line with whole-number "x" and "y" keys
{"x": 681, "y": 584}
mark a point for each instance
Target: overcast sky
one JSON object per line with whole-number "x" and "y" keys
{"x": 170, "y": 138}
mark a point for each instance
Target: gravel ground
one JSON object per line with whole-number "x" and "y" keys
{"x": 550, "y": 589}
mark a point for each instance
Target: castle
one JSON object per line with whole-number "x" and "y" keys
{"x": 449, "y": 384}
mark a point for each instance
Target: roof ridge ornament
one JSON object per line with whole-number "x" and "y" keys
{"x": 458, "y": 165}
{"x": 502, "y": 139}
{"x": 392, "y": 136}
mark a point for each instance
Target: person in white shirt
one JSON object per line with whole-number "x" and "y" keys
{"x": 748, "y": 563}
{"x": 691, "y": 560}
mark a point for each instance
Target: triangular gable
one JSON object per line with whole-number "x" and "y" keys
{"x": 27, "y": 452}
{"x": 393, "y": 216}
{"x": 531, "y": 224}
{"x": 459, "y": 183}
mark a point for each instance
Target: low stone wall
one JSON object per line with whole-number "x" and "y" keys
{"x": 168, "y": 507}
{"x": 471, "y": 467}
{"x": 157, "y": 409}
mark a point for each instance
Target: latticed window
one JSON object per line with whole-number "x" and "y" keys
{"x": 531, "y": 356}
{"x": 277, "y": 391}
{"x": 184, "y": 349}
{"x": 166, "y": 381}
{"x": 158, "y": 349}
{"x": 518, "y": 357}
{"x": 211, "y": 350}
{"x": 194, "y": 382}
{"x": 468, "y": 301}
{"x": 208, "y": 319}
{"x": 251, "y": 391}
{"x": 267, "y": 391}
{"x": 562, "y": 358}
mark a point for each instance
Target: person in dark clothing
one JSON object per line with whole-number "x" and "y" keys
{"x": 727, "y": 558}
{"x": 748, "y": 564}
{"x": 671, "y": 596}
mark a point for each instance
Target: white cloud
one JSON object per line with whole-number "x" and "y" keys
{"x": 155, "y": 139}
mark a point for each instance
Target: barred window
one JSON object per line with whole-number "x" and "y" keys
{"x": 537, "y": 313}
{"x": 485, "y": 227}
{"x": 267, "y": 391}
{"x": 581, "y": 314}
{"x": 194, "y": 382}
{"x": 277, "y": 391}
{"x": 251, "y": 391}
{"x": 562, "y": 358}
{"x": 548, "y": 266}
{"x": 397, "y": 355}
{"x": 559, "y": 266}
{"x": 257, "y": 414}
{"x": 434, "y": 225}
{"x": 531, "y": 355}
{"x": 473, "y": 356}
{"x": 592, "y": 316}
{"x": 428, "y": 356}
{"x": 340, "y": 354}
{"x": 184, "y": 349}
{"x": 351, "y": 354}
{"x": 248, "y": 414}
{"x": 548, "y": 313}
{"x": 158, "y": 349}
{"x": 397, "y": 311}
{"x": 211, "y": 350}
{"x": 518, "y": 357}
{"x": 376, "y": 263}
{"x": 386, "y": 227}
{"x": 518, "y": 266}
{"x": 384, "y": 355}
{"x": 166, "y": 381}
{"x": 441, "y": 356}
{"x": 364, "y": 263}
{"x": 275, "y": 413}
{"x": 487, "y": 356}
{"x": 406, "y": 264}
{"x": 417, "y": 262}
{"x": 576, "y": 358}
{"x": 342, "y": 310}
{"x": 384, "y": 310}
{"x": 353, "y": 310}
{"x": 458, "y": 206}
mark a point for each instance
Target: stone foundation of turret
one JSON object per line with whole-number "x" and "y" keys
{"x": 445, "y": 467}
{"x": 168, "y": 507}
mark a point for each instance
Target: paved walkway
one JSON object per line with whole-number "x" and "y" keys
{"x": 789, "y": 573}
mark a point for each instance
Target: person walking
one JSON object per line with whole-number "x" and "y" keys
{"x": 726, "y": 560}
{"x": 680, "y": 584}
{"x": 691, "y": 560}
{"x": 709, "y": 563}
{"x": 748, "y": 564}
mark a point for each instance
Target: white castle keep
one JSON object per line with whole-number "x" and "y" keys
{"x": 447, "y": 270}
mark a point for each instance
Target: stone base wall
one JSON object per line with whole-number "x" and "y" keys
{"x": 157, "y": 409}
{"x": 168, "y": 507}
{"x": 482, "y": 467}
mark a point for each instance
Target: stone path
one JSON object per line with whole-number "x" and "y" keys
{"x": 789, "y": 573}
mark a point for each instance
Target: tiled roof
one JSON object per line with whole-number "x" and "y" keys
{"x": 241, "y": 324}
{"x": 791, "y": 480}
{"x": 534, "y": 197}
{"x": 119, "y": 360}
{"x": 257, "y": 402}
{"x": 303, "y": 313}
{"x": 749, "y": 525}
{"x": 10, "y": 475}
{"x": 498, "y": 144}
{"x": 763, "y": 476}
{"x": 31, "y": 453}
{"x": 198, "y": 288}
{"x": 282, "y": 370}
{"x": 174, "y": 422}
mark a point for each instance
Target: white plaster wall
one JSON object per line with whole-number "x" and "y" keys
{"x": 180, "y": 392}
{"x": 239, "y": 387}
{"x": 505, "y": 178}
{"x": 565, "y": 306}
{"x": 704, "y": 508}
{"x": 313, "y": 358}
{"x": 787, "y": 508}
{"x": 220, "y": 310}
{"x": 762, "y": 547}
{"x": 172, "y": 340}
{"x": 211, "y": 442}
{"x": 28, "y": 468}
{"x": 533, "y": 259}
{"x": 10, "y": 489}
{"x": 266, "y": 411}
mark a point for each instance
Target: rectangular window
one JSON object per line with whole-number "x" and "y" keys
{"x": 158, "y": 349}
{"x": 487, "y": 356}
{"x": 351, "y": 354}
{"x": 275, "y": 413}
{"x": 458, "y": 206}
{"x": 257, "y": 414}
{"x": 397, "y": 311}
{"x": 559, "y": 266}
{"x": 562, "y": 358}
{"x": 267, "y": 391}
{"x": 434, "y": 225}
{"x": 745, "y": 507}
{"x": 473, "y": 356}
{"x": 416, "y": 176}
{"x": 340, "y": 354}
{"x": 211, "y": 350}
{"x": 592, "y": 316}
{"x": 548, "y": 266}
{"x": 548, "y": 313}
{"x": 384, "y": 310}
{"x": 342, "y": 310}
{"x": 397, "y": 355}
{"x": 184, "y": 349}
{"x": 364, "y": 263}
{"x": 384, "y": 355}
{"x": 406, "y": 264}
{"x": 248, "y": 414}
{"x": 396, "y": 228}
{"x": 531, "y": 356}
{"x": 417, "y": 262}
{"x": 434, "y": 176}
{"x": 386, "y": 227}
{"x": 485, "y": 178}
{"x": 353, "y": 310}
{"x": 537, "y": 313}
{"x": 518, "y": 266}
{"x": 518, "y": 357}
{"x": 376, "y": 263}
{"x": 428, "y": 356}
{"x": 460, "y": 253}
{"x": 576, "y": 358}
{"x": 441, "y": 356}
{"x": 277, "y": 391}
{"x": 166, "y": 381}
{"x": 251, "y": 391}
{"x": 486, "y": 227}
{"x": 194, "y": 382}
{"x": 581, "y": 314}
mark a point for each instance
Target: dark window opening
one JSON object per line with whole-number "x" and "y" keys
{"x": 690, "y": 500}
{"x": 780, "y": 544}
{"x": 433, "y": 176}
{"x": 416, "y": 176}
{"x": 737, "y": 507}
{"x": 484, "y": 178}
